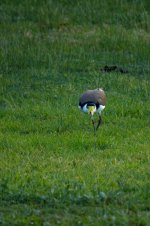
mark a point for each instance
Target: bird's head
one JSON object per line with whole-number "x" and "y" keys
{"x": 91, "y": 109}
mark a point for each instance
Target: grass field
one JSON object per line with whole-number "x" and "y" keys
{"x": 54, "y": 170}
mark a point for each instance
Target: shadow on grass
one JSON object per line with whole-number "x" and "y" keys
{"x": 73, "y": 192}
{"x": 70, "y": 192}
{"x": 71, "y": 202}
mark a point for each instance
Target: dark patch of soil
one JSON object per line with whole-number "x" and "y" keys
{"x": 114, "y": 68}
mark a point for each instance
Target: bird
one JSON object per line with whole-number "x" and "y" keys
{"x": 91, "y": 102}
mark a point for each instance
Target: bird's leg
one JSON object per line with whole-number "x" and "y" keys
{"x": 99, "y": 122}
{"x": 93, "y": 124}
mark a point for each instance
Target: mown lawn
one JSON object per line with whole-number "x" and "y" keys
{"x": 54, "y": 170}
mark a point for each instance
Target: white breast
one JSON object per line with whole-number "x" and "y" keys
{"x": 85, "y": 109}
{"x": 101, "y": 108}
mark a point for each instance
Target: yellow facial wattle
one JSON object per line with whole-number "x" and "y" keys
{"x": 91, "y": 110}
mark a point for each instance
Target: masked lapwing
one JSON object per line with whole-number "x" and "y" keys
{"x": 93, "y": 101}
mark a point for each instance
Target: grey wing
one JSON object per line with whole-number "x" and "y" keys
{"x": 87, "y": 97}
{"x": 95, "y": 96}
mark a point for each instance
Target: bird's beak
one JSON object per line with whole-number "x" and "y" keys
{"x": 91, "y": 110}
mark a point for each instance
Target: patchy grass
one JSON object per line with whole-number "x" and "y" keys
{"x": 54, "y": 170}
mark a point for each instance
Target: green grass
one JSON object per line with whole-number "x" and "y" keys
{"x": 54, "y": 170}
